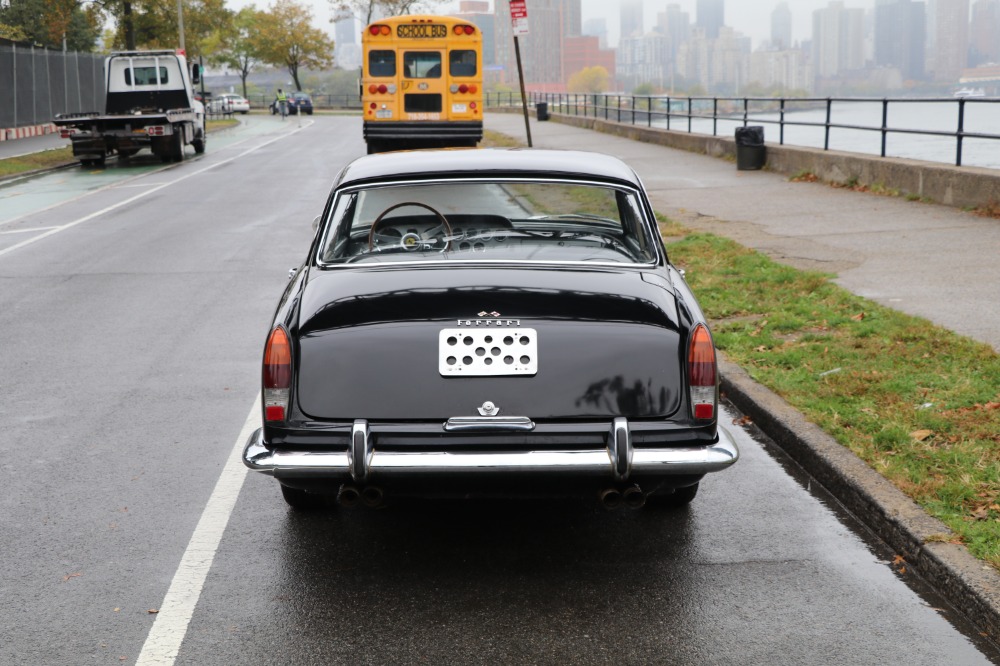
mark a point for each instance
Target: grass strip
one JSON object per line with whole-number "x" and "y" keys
{"x": 918, "y": 403}
{"x": 34, "y": 161}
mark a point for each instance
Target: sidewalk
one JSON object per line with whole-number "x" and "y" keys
{"x": 35, "y": 144}
{"x": 928, "y": 260}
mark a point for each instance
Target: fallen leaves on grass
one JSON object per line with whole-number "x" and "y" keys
{"x": 921, "y": 435}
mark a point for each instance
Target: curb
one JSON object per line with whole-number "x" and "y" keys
{"x": 969, "y": 585}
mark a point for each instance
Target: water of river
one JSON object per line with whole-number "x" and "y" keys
{"x": 981, "y": 117}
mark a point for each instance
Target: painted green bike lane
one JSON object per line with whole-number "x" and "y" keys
{"x": 20, "y": 197}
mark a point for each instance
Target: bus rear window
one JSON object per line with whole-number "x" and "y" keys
{"x": 462, "y": 63}
{"x": 422, "y": 64}
{"x": 382, "y": 63}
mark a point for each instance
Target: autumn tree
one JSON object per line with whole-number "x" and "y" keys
{"x": 286, "y": 37}
{"x": 50, "y": 22}
{"x": 589, "y": 80}
{"x": 368, "y": 10}
{"x": 241, "y": 51}
{"x": 153, "y": 24}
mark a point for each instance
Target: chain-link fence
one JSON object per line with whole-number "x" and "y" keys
{"x": 38, "y": 83}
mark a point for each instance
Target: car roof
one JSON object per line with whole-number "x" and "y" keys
{"x": 508, "y": 162}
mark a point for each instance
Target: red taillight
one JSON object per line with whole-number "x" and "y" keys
{"x": 277, "y": 375}
{"x": 469, "y": 29}
{"x": 373, "y": 105}
{"x": 702, "y": 374}
{"x": 382, "y": 89}
{"x": 463, "y": 89}
{"x": 374, "y": 29}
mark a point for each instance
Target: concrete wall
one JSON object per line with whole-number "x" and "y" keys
{"x": 962, "y": 187}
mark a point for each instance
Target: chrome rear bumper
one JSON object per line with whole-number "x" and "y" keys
{"x": 361, "y": 462}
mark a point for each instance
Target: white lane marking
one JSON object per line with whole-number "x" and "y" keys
{"x": 171, "y": 623}
{"x": 25, "y": 231}
{"x": 126, "y": 181}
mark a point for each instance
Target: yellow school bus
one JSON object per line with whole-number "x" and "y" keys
{"x": 422, "y": 83}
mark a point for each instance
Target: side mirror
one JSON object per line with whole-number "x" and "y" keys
{"x": 315, "y": 223}
{"x": 195, "y": 73}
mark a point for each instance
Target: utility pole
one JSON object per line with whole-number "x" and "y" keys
{"x": 180, "y": 25}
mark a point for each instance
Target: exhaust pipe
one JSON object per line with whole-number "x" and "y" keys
{"x": 372, "y": 496}
{"x": 610, "y": 498}
{"x": 348, "y": 496}
{"x": 634, "y": 497}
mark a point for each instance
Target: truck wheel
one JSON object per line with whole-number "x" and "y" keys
{"x": 199, "y": 143}
{"x": 177, "y": 147}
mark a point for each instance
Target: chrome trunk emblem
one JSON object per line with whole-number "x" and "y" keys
{"x": 488, "y": 409}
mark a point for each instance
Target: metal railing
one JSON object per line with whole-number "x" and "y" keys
{"x": 666, "y": 111}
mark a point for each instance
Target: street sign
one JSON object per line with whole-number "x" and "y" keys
{"x": 519, "y": 17}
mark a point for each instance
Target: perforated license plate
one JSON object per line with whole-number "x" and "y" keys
{"x": 464, "y": 352}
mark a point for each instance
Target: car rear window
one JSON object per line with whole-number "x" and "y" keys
{"x": 515, "y": 220}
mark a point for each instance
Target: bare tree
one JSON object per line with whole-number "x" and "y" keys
{"x": 364, "y": 10}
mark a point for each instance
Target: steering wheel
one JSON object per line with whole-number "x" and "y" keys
{"x": 411, "y": 241}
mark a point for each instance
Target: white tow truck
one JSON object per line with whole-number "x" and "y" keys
{"x": 150, "y": 103}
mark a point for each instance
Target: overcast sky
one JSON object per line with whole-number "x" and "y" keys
{"x": 751, "y": 17}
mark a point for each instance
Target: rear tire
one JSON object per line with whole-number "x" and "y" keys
{"x": 199, "y": 144}
{"x": 177, "y": 147}
{"x": 678, "y": 499}
{"x": 300, "y": 500}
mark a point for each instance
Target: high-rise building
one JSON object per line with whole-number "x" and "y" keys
{"x": 347, "y": 38}
{"x": 899, "y": 37}
{"x": 631, "y": 19}
{"x": 644, "y": 59}
{"x": 711, "y": 17}
{"x": 948, "y": 28}
{"x": 838, "y": 40}
{"x": 781, "y": 27}
{"x": 984, "y": 35}
{"x": 579, "y": 53}
{"x": 478, "y": 12}
{"x": 549, "y": 21}
{"x": 597, "y": 27}
{"x": 675, "y": 25}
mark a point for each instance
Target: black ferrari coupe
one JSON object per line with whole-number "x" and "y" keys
{"x": 488, "y": 322}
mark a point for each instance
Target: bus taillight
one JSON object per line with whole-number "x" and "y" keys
{"x": 377, "y": 30}
{"x": 464, "y": 30}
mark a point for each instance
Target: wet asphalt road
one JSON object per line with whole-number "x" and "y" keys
{"x": 133, "y": 315}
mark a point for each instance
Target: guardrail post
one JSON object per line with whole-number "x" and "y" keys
{"x": 690, "y": 111}
{"x": 781, "y": 123}
{"x": 668, "y": 112}
{"x": 715, "y": 116}
{"x": 885, "y": 120}
{"x": 826, "y": 128}
{"x": 960, "y": 134}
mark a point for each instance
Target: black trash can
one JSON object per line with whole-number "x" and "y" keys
{"x": 542, "y": 110}
{"x": 751, "y": 153}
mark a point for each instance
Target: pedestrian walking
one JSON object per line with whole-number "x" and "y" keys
{"x": 281, "y": 99}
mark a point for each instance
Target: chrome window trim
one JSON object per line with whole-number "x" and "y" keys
{"x": 650, "y": 225}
